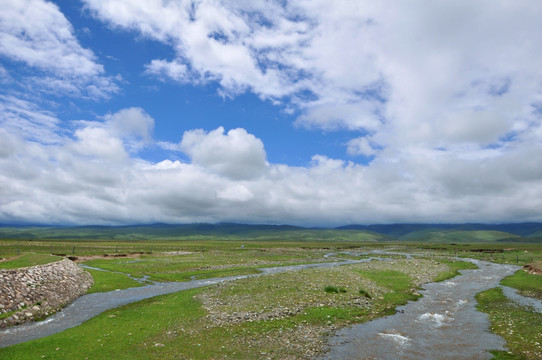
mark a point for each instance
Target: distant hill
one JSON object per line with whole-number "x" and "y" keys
{"x": 413, "y": 231}
{"x": 228, "y": 231}
{"x": 526, "y": 232}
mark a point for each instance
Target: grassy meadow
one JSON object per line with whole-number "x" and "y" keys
{"x": 279, "y": 316}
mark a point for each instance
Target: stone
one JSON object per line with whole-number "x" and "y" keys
{"x": 20, "y": 284}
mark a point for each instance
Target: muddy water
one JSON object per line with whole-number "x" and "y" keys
{"x": 88, "y": 306}
{"x": 444, "y": 324}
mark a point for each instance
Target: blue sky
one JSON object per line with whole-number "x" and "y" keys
{"x": 313, "y": 113}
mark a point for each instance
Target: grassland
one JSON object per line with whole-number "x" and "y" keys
{"x": 206, "y": 264}
{"x": 280, "y": 316}
{"x": 29, "y": 259}
{"x": 519, "y": 326}
{"x": 527, "y": 284}
{"x": 110, "y": 281}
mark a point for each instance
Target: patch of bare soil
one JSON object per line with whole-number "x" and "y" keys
{"x": 534, "y": 268}
{"x": 84, "y": 258}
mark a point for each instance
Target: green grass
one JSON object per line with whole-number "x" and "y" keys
{"x": 399, "y": 284}
{"x": 128, "y": 332}
{"x": 520, "y": 327}
{"x": 527, "y": 284}
{"x": 108, "y": 281}
{"x": 176, "y": 325}
{"x": 447, "y": 235}
{"x": 284, "y": 311}
{"x": 454, "y": 266}
{"x": 330, "y": 289}
{"x": 25, "y": 260}
{"x": 207, "y": 264}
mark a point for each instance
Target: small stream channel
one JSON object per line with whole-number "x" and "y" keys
{"x": 88, "y": 306}
{"x": 443, "y": 324}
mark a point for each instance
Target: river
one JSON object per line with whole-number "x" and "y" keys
{"x": 443, "y": 324}
{"x": 88, "y": 306}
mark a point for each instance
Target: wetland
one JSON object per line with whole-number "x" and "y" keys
{"x": 273, "y": 301}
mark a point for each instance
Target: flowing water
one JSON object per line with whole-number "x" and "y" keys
{"x": 88, "y": 306}
{"x": 443, "y": 324}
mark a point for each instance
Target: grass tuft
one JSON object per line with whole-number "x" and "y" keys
{"x": 29, "y": 259}
{"x": 519, "y": 326}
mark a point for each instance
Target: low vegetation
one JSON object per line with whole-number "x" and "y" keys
{"x": 527, "y": 284}
{"x": 206, "y": 264}
{"x": 519, "y": 326}
{"x": 453, "y": 268}
{"x": 29, "y": 259}
{"x": 279, "y": 316}
{"x": 109, "y": 281}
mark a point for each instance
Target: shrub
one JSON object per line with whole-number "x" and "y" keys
{"x": 365, "y": 293}
{"x": 330, "y": 289}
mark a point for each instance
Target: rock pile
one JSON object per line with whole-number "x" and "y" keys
{"x": 35, "y": 292}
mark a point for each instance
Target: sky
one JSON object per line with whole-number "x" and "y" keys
{"x": 305, "y": 112}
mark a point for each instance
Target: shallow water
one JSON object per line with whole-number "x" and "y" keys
{"x": 145, "y": 279}
{"x": 427, "y": 327}
{"x": 88, "y": 306}
{"x": 512, "y": 294}
{"x": 443, "y": 324}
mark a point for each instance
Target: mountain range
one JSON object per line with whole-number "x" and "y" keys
{"x": 513, "y": 232}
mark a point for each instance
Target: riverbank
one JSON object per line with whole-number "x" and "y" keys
{"x": 277, "y": 316}
{"x": 289, "y": 319}
{"x": 35, "y": 292}
{"x": 519, "y": 323}
{"x": 443, "y": 322}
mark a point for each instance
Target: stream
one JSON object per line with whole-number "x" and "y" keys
{"x": 443, "y": 324}
{"x": 88, "y": 306}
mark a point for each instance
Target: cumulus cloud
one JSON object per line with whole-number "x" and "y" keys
{"x": 440, "y": 75}
{"x": 37, "y": 34}
{"x": 237, "y": 154}
{"x": 94, "y": 176}
{"x": 128, "y": 130}
{"x": 447, "y": 96}
{"x": 97, "y": 142}
{"x": 361, "y": 146}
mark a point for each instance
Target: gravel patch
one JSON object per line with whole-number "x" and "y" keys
{"x": 282, "y": 296}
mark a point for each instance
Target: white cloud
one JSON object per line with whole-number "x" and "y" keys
{"x": 92, "y": 176}
{"x": 448, "y": 94}
{"x": 37, "y": 34}
{"x": 27, "y": 120}
{"x": 126, "y": 131}
{"x": 237, "y": 154}
{"x": 173, "y": 70}
{"x": 437, "y": 75}
{"x": 132, "y": 123}
{"x": 361, "y": 146}
{"x": 97, "y": 142}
